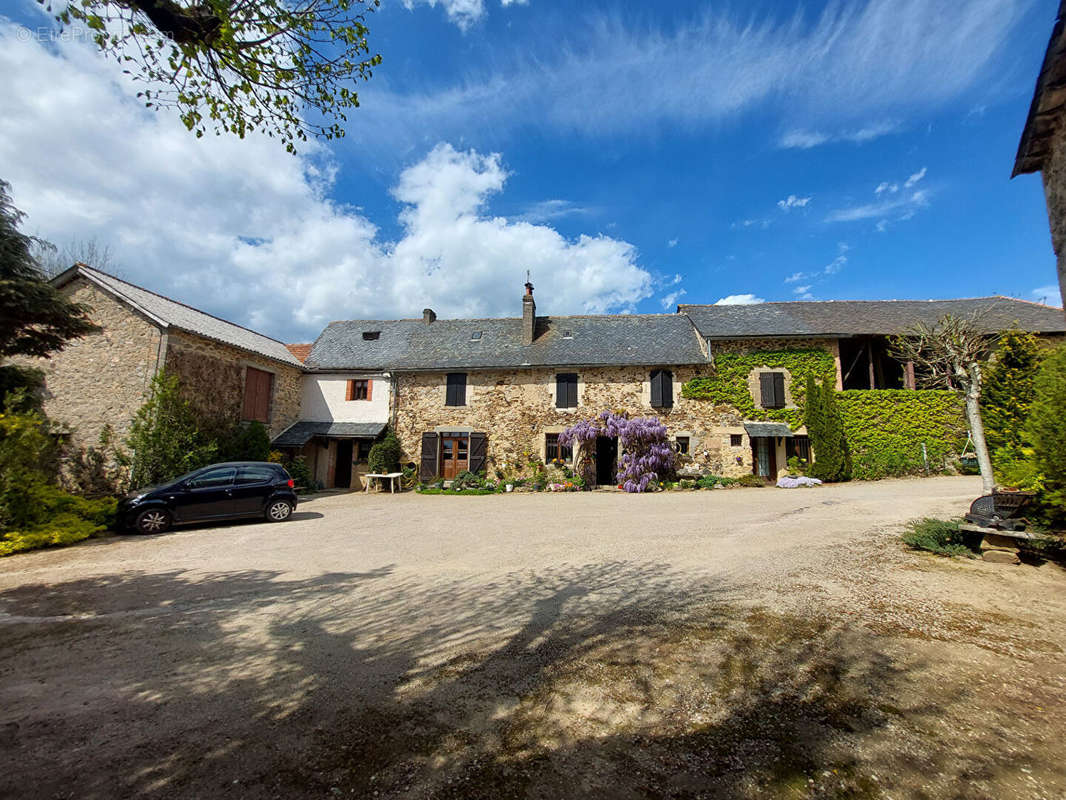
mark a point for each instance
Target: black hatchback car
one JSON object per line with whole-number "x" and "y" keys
{"x": 216, "y": 492}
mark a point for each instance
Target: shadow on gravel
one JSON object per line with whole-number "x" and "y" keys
{"x": 608, "y": 680}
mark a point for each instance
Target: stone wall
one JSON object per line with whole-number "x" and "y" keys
{"x": 1054, "y": 174}
{"x": 517, "y": 407}
{"x": 212, "y": 378}
{"x": 101, "y": 379}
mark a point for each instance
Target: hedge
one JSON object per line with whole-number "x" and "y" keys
{"x": 885, "y": 429}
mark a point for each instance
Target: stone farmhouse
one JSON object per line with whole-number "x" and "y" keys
{"x": 484, "y": 393}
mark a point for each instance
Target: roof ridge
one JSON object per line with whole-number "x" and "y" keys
{"x": 82, "y": 266}
{"x": 826, "y": 302}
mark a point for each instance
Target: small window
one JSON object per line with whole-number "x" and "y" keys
{"x": 456, "y": 393}
{"x": 554, "y": 451}
{"x": 662, "y": 388}
{"x": 568, "y": 334}
{"x": 358, "y": 389}
{"x": 475, "y": 336}
{"x": 370, "y": 336}
{"x": 214, "y": 478}
{"x": 772, "y": 389}
{"x": 798, "y": 447}
{"x": 682, "y": 445}
{"x": 736, "y": 439}
{"x": 566, "y": 390}
{"x": 251, "y": 475}
{"x": 362, "y": 450}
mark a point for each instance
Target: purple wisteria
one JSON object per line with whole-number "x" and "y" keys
{"x": 645, "y": 453}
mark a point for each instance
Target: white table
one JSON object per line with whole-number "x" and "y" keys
{"x": 391, "y": 476}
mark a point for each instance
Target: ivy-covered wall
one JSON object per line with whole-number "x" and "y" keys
{"x": 729, "y": 383}
{"x": 885, "y": 429}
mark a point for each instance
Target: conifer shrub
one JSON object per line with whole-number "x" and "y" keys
{"x": 385, "y": 455}
{"x": 1046, "y": 433}
{"x": 825, "y": 427}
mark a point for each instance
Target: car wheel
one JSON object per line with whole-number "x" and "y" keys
{"x": 278, "y": 511}
{"x": 153, "y": 520}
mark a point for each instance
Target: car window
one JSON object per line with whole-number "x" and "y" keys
{"x": 247, "y": 475}
{"x": 223, "y": 476}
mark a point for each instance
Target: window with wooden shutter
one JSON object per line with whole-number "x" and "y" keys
{"x": 566, "y": 390}
{"x": 358, "y": 390}
{"x": 554, "y": 450}
{"x": 662, "y": 388}
{"x": 479, "y": 450}
{"x": 428, "y": 467}
{"x": 772, "y": 389}
{"x": 258, "y": 388}
{"x": 456, "y": 392}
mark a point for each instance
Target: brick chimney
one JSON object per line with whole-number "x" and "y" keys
{"x": 429, "y": 315}
{"x": 529, "y": 315}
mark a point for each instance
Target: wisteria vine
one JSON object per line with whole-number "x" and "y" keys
{"x": 645, "y": 456}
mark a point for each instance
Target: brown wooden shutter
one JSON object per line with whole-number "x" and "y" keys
{"x": 479, "y": 448}
{"x": 427, "y": 469}
{"x": 656, "y": 389}
{"x": 766, "y": 389}
{"x": 369, "y": 389}
{"x": 666, "y": 391}
{"x": 257, "y": 390}
{"x": 779, "y": 390}
{"x": 350, "y": 394}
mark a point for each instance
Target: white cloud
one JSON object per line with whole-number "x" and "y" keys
{"x": 834, "y": 266}
{"x": 913, "y": 179}
{"x": 1048, "y": 294}
{"x": 792, "y": 201}
{"x": 751, "y": 223}
{"x": 805, "y": 140}
{"x": 739, "y": 300}
{"x": 207, "y": 221}
{"x": 670, "y": 300}
{"x": 547, "y": 210}
{"x": 672, "y": 243}
{"x": 885, "y": 186}
{"x": 814, "y": 73}
{"x": 463, "y": 13}
{"x": 802, "y": 289}
{"x": 796, "y": 276}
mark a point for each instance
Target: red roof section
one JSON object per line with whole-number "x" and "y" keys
{"x": 301, "y": 350}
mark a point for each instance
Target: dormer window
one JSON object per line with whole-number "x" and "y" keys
{"x": 475, "y": 336}
{"x": 369, "y": 336}
{"x": 568, "y": 334}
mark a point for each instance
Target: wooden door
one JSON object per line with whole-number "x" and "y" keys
{"x": 764, "y": 457}
{"x": 454, "y": 455}
{"x": 342, "y": 471}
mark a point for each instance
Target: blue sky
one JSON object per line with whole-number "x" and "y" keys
{"x": 630, "y": 155}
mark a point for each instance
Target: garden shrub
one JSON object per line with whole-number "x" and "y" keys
{"x": 96, "y": 470}
{"x": 385, "y": 455}
{"x": 751, "y": 481}
{"x": 165, "y": 436}
{"x": 467, "y": 480}
{"x": 646, "y": 456}
{"x": 247, "y": 441}
{"x": 937, "y": 536}
{"x": 297, "y": 468}
{"x": 710, "y": 481}
{"x": 825, "y": 427}
{"x": 729, "y": 383}
{"x": 1046, "y": 433}
{"x": 885, "y": 430}
{"x": 1007, "y": 393}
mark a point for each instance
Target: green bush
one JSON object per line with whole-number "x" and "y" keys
{"x": 825, "y": 427}
{"x": 165, "y": 437}
{"x": 297, "y": 468}
{"x": 1046, "y": 432}
{"x": 1007, "y": 391}
{"x": 467, "y": 480}
{"x": 385, "y": 455}
{"x": 710, "y": 481}
{"x": 248, "y": 441}
{"x": 751, "y": 481}
{"x": 937, "y": 536}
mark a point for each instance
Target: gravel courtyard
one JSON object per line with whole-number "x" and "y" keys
{"x": 740, "y": 643}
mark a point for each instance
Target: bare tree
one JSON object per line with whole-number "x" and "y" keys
{"x": 53, "y": 260}
{"x": 949, "y": 355}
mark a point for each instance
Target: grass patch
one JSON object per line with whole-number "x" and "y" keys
{"x": 939, "y": 536}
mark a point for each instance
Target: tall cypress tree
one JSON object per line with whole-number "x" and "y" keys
{"x": 825, "y": 427}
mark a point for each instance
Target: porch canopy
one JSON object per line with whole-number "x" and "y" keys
{"x": 757, "y": 429}
{"x": 300, "y": 433}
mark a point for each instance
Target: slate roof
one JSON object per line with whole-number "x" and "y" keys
{"x": 857, "y": 317}
{"x": 169, "y": 313}
{"x": 300, "y": 433}
{"x": 1045, "y": 111}
{"x": 411, "y": 344}
{"x": 755, "y": 429}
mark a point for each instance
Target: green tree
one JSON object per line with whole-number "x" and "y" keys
{"x": 238, "y": 66}
{"x": 385, "y": 455}
{"x": 245, "y": 442}
{"x": 1046, "y": 432}
{"x": 165, "y": 439}
{"x": 35, "y": 318}
{"x": 825, "y": 427}
{"x": 1008, "y": 393}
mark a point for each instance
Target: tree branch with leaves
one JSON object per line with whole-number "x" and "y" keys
{"x": 951, "y": 355}
{"x": 238, "y": 66}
